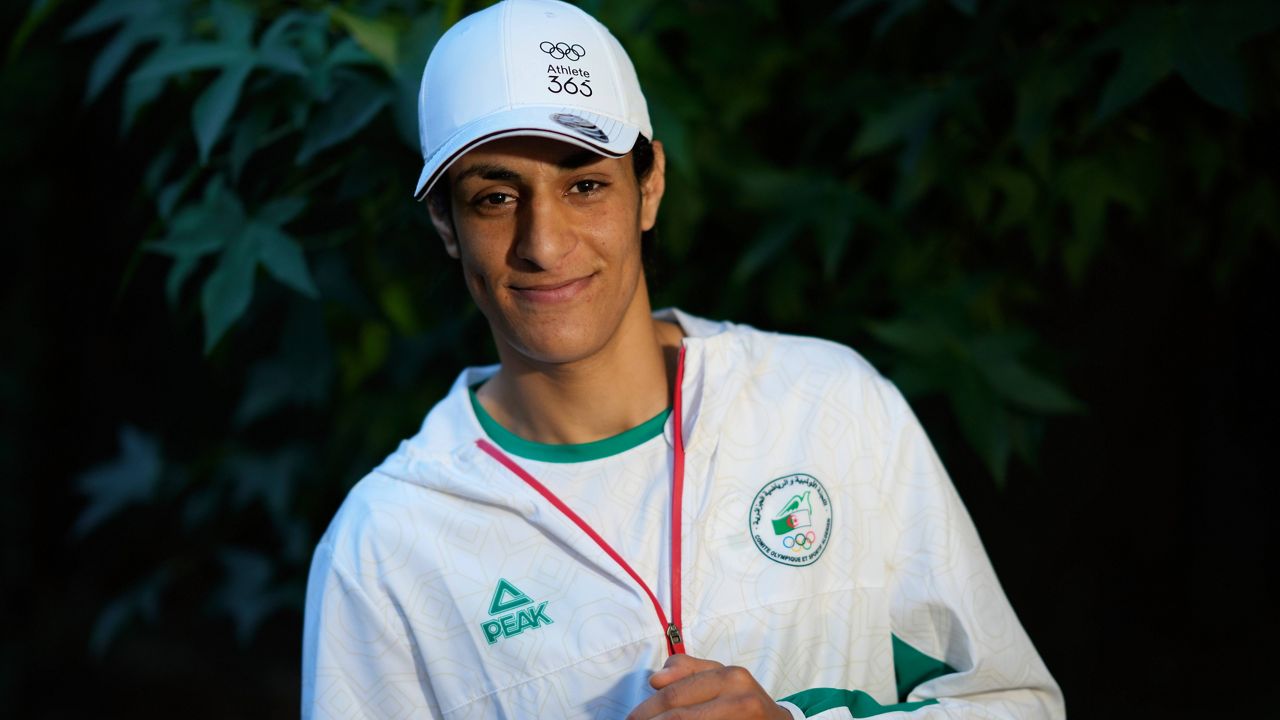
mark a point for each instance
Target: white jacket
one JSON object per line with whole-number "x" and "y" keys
{"x": 446, "y": 587}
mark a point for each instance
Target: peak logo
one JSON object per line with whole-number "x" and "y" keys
{"x": 513, "y": 612}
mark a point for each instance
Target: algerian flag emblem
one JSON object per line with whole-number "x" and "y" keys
{"x": 797, "y": 513}
{"x": 790, "y": 519}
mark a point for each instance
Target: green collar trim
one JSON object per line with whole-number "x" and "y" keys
{"x": 580, "y": 452}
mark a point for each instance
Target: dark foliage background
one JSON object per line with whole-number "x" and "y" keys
{"x": 1054, "y": 225}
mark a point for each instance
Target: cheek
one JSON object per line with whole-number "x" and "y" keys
{"x": 480, "y": 266}
{"x": 616, "y": 229}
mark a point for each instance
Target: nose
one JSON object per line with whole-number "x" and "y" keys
{"x": 546, "y": 235}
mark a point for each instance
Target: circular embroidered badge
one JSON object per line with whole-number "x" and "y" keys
{"x": 790, "y": 519}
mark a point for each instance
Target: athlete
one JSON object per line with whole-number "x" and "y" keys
{"x": 637, "y": 514}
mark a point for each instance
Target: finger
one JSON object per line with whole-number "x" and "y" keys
{"x": 679, "y": 667}
{"x": 731, "y": 706}
{"x": 686, "y": 692}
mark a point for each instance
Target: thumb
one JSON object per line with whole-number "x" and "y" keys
{"x": 677, "y": 668}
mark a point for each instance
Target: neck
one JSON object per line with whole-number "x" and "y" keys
{"x": 625, "y": 383}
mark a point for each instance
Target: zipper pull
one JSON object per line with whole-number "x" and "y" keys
{"x": 673, "y": 634}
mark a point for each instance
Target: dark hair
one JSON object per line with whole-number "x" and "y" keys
{"x": 641, "y": 163}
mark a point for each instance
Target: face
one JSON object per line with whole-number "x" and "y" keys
{"x": 548, "y": 235}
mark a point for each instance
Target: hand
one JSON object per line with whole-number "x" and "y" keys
{"x": 690, "y": 687}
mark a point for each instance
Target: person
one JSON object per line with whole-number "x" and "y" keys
{"x": 636, "y": 514}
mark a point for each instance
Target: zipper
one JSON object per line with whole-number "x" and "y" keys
{"x": 671, "y": 629}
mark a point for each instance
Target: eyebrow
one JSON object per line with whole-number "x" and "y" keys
{"x": 489, "y": 171}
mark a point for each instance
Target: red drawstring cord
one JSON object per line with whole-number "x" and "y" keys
{"x": 677, "y": 506}
{"x": 675, "y": 642}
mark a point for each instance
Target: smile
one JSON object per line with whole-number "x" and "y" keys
{"x": 553, "y": 292}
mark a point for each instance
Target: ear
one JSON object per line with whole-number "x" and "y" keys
{"x": 444, "y": 228}
{"x": 652, "y": 187}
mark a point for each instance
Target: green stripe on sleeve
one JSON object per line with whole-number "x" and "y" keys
{"x": 859, "y": 704}
{"x": 912, "y": 668}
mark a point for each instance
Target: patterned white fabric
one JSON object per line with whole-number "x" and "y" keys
{"x": 403, "y": 582}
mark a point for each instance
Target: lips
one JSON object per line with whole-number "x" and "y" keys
{"x": 553, "y": 292}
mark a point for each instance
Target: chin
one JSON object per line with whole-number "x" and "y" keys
{"x": 557, "y": 344}
{"x": 551, "y": 338}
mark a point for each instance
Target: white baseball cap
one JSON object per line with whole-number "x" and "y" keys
{"x": 527, "y": 67}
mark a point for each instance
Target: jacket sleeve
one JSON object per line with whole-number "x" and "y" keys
{"x": 358, "y": 660}
{"x": 958, "y": 648}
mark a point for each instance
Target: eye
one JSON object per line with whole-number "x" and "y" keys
{"x": 497, "y": 198}
{"x": 587, "y": 187}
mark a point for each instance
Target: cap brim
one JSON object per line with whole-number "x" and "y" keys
{"x": 604, "y": 135}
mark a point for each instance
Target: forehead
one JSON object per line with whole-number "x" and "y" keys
{"x": 528, "y": 153}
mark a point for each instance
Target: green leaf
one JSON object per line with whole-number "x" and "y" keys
{"x": 1041, "y": 90}
{"x": 833, "y": 234}
{"x": 282, "y": 211}
{"x": 1146, "y": 42}
{"x": 171, "y": 60}
{"x": 768, "y": 243}
{"x": 916, "y": 337}
{"x": 130, "y": 479}
{"x": 266, "y": 479}
{"x": 229, "y": 288}
{"x": 367, "y": 356}
{"x": 908, "y": 116}
{"x": 898, "y": 9}
{"x": 414, "y": 47}
{"x": 234, "y": 21}
{"x": 918, "y": 379}
{"x": 141, "y": 600}
{"x": 248, "y": 137}
{"x": 283, "y": 258}
{"x": 357, "y": 101}
{"x": 35, "y": 17}
{"x": 851, "y": 8}
{"x": 162, "y": 24}
{"x": 1212, "y": 70}
{"x": 1018, "y": 191}
{"x": 1090, "y": 187}
{"x": 246, "y": 594}
{"x": 983, "y": 421}
{"x": 192, "y": 244}
{"x": 193, "y": 233}
{"x": 349, "y": 52}
{"x": 198, "y": 230}
{"x": 214, "y": 106}
{"x": 109, "y": 61}
{"x": 282, "y": 59}
{"x": 110, "y": 12}
{"x": 378, "y": 37}
{"x": 277, "y": 33}
{"x": 137, "y": 94}
{"x": 299, "y": 374}
{"x": 1016, "y": 383}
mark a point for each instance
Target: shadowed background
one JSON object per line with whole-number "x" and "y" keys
{"x": 1054, "y": 225}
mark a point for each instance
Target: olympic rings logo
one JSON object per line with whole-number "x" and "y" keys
{"x": 799, "y": 542}
{"x": 563, "y": 51}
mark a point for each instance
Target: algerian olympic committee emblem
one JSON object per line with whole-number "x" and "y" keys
{"x": 790, "y": 519}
